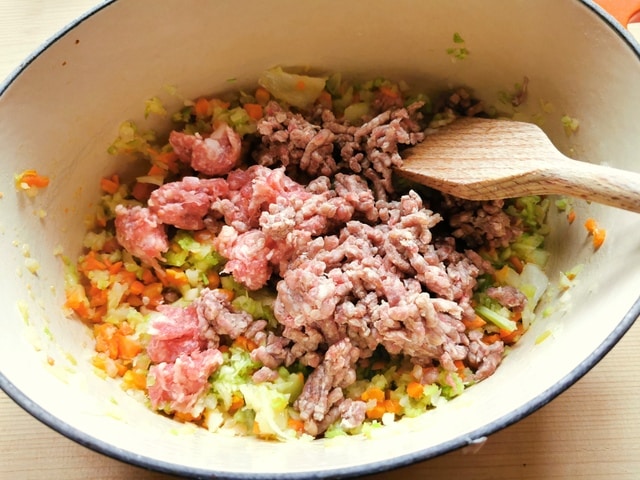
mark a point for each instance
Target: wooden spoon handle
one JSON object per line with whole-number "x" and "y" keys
{"x": 597, "y": 183}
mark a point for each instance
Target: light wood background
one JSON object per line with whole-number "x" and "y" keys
{"x": 592, "y": 431}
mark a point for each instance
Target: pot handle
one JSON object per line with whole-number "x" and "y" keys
{"x": 621, "y": 10}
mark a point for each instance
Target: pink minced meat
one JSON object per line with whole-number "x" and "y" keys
{"x": 319, "y": 402}
{"x": 179, "y": 385}
{"x": 174, "y": 331}
{"x": 184, "y": 204}
{"x": 141, "y": 233}
{"x": 214, "y": 155}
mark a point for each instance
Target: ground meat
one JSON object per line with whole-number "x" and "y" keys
{"x": 174, "y": 331}
{"x": 141, "y": 234}
{"x": 213, "y": 308}
{"x": 509, "y": 297}
{"x": 484, "y": 357}
{"x": 372, "y": 149}
{"x": 482, "y": 223}
{"x": 355, "y": 269}
{"x": 217, "y": 154}
{"x": 323, "y": 389}
{"x": 184, "y": 204}
{"x": 180, "y": 384}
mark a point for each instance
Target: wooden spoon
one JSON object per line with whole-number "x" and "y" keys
{"x": 481, "y": 159}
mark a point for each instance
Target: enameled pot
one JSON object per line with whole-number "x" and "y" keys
{"x": 61, "y": 109}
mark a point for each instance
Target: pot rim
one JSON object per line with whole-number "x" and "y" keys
{"x": 476, "y": 437}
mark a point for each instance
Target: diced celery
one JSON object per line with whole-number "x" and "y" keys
{"x": 497, "y": 319}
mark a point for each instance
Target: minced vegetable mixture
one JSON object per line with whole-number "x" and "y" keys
{"x": 269, "y": 275}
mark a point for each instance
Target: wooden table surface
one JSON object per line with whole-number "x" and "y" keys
{"x": 591, "y": 431}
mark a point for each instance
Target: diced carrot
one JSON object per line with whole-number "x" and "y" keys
{"x": 104, "y": 333}
{"x": 91, "y": 262}
{"x": 392, "y": 406}
{"x": 516, "y": 263}
{"x": 598, "y": 237}
{"x": 300, "y": 85}
{"x": 110, "y": 185}
{"x": 98, "y": 313}
{"x": 591, "y": 225}
{"x": 156, "y": 170}
{"x": 168, "y": 161}
{"x": 373, "y": 393}
{"x": 115, "y": 268}
{"x": 136, "y": 287}
{"x": 376, "y": 412}
{"x": 388, "y": 91}
{"x": 97, "y": 296}
{"x": 571, "y": 216}
{"x": 460, "y": 366}
{"x": 176, "y": 278}
{"x": 31, "y": 178}
{"x": 512, "y": 337}
{"x": 135, "y": 379}
{"x": 325, "y": 100}
{"x": 477, "y": 322}
{"x": 218, "y": 103}
{"x": 134, "y": 301}
{"x": 254, "y": 110}
{"x": 262, "y": 96}
{"x": 245, "y": 343}
{"x": 213, "y": 279}
{"x": 295, "y": 424}
{"x": 201, "y": 107}
{"x": 228, "y": 293}
{"x": 142, "y": 191}
{"x": 121, "y": 368}
{"x": 153, "y": 293}
{"x": 415, "y": 390}
{"x": 256, "y": 428}
{"x": 598, "y": 234}
{"x": 76, "y": 300}
{"x": 148, "y": 276}
{"x": 126, "y": 329}
{"x": 489, "y": 339}
{"x": 237, "y": 402}
{"x": 128, "y": 347}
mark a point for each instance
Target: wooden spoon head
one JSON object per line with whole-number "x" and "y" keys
{"x": 482, "y": 159}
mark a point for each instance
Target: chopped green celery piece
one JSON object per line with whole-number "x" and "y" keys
{"x": 176, "y": 258}
{"x": 237, "y": 118}
{"x": 356, "y": 112}
{"x": 457, "y": 38}
{"x": 235, "y": 371}
{"x": 270, "y": 407}
{"x": 333, "y": 84}
{"x": 154, "y": 106}
{"x": 256, "y": 308}
{"x": 297, "y": 90}
{"x": 451, "y": 384}
{"x": 341, "y": 103}
{"x": 131, "y": 140}
{"x": 289, "y": 383}
{"x": 497, "y": 319}
{"x": 334, "y": 430}
{"x": 368, "y": 428}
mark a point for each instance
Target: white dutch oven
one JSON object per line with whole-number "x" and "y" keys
{"x": 62, "y": 108}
